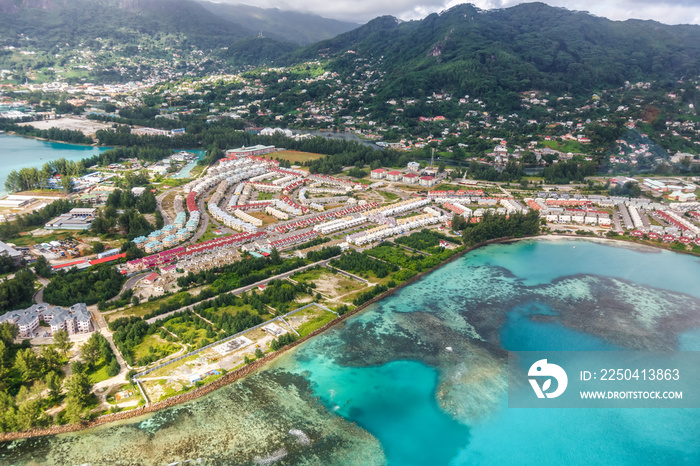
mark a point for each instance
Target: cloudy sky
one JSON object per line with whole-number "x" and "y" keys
{"x": 665, "y": 11}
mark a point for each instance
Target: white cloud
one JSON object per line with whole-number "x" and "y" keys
{"x": 665, "y": 11}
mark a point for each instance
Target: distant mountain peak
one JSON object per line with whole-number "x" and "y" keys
{"x": 14, "y": 6}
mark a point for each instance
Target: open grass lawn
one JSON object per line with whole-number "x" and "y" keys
{"x": 565, "y": 146}
{"x": 239, "y": 307}
{"x": 315, "y": 323}
{"x": 186, "y": 332}
{"x": 310, "y": 275}
{"x": 174, "y": 182}
{"x": 388, "y": 196}
{"x": 449, "y": 187}
{"x": 296, "y": 157}
{"x": 328, "y": 283}
{"x": 154, "y": 345}
{"x": 265, "y": 196}
{"x": 209, "y": 233}
{"x": 99, "y": 375}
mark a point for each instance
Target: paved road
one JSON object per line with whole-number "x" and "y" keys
{"x": 130, "y": 283}
{"x": 243, "y": 289}
{"x": 39, "y": 295}
{"x": 203, "y": 219}
{"x": 616, "y": 220}
{"x": 159, "y": 205}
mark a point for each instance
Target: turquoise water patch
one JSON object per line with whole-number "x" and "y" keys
{"x": 395, "y": 402}
{"x": 540, "y": 262}
{"x": 690, "y": 340}
{"x": 585, "y": 436}
{"x": 17, "y": 152}
{"x": 521, "y": 333}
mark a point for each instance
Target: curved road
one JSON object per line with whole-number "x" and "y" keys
{"x": 130, "y": 283}
{"x": 39, "y": 295}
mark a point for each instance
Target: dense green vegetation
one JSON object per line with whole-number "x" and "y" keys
{"x": 256, "y": 50}
{"x": 312, "y": 243}
{"x": 18, "y": 292}
{"x": 99, "y": 357}
{"x": 130, "y": 222}
{"x": 412, "y": 261}
{"x": 86, "y": 286}
{"x": 566, "y": 172}
{"x": 367, "y": 295}
{"x": 629, "y": 189}
{"x": 361, "y": 263}
{"x": 496, "y": 54}
{"x": 33, "y": 382}
{"x": 500, "y": 226}
{"x": 241, "y": 273}
{"x": 282, "y": 341}
{"x": 54, "y": 134}
{"x": 129, "y": 332}
{"x": 424, "y": 240}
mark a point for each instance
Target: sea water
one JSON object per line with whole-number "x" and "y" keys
{"x": 418, "y": 378}
{"x": 18, "y": 152}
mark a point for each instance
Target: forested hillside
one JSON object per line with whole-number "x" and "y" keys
{"x": 498, "y": 53}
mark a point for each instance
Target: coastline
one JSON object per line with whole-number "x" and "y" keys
{"x": 242, "y": 372}
{"x": 37, "y": 138}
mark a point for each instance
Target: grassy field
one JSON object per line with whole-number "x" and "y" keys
{"x": 565, "y": 146}
{"x": 174, "y": 182}
{"x": 154, "y": 344}
{"x": 388, "y": 196}
{"x": 296, "y": 157}
{"x": 99, "y": 375}
{"x": 315, "y": 323}
{"x": 209, "y": 234}
{"x": 186, "y": 331}
{"x": 265, "y": 196}
{"x": 449, "y": 187}
{"x": 328, "y": 283}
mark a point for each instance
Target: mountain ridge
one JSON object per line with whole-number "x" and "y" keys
{"x": 529, "y": 46}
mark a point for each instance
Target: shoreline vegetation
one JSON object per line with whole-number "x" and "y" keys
{"x": 249, "y": 369}
{"x": 56, "y": 141}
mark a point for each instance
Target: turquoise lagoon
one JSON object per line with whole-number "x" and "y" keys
{"x": 18, "y": 152}
{"x": 419, "y": 378}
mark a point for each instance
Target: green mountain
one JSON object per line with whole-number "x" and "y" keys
{"x": 123, "y": 40}
{"x": 288, "y": 26}
{"x": 499, "y": 53}
{"x": 254, "y": 50}
{"x": 45, "y": 24}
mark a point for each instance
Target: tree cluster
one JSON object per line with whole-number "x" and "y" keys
{"x": 84, "y": 286}
{"x": 500, "y": 226}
